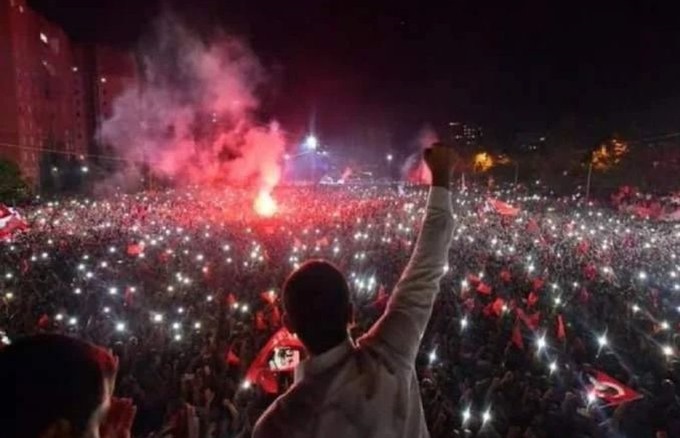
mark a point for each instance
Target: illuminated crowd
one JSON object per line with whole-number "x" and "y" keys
{"x": 183, "y": 286}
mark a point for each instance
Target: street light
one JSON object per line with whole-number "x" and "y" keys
{"x": 389, "y": 157}
{"x": 311, "y": 142}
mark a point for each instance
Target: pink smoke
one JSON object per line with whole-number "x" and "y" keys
{"x": 192, "y": 117}
{"x": 414, "y": 169}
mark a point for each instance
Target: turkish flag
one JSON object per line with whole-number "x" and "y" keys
{"x": 609, "y": 390}
{"x": 259, "y": 372}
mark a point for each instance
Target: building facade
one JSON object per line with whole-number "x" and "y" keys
{"x": 468, "y": 135}
{"x": 54, "y": 92}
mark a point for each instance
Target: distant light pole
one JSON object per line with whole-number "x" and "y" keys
{"x": 590, "y": 172}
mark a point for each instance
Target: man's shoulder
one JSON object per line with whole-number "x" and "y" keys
{"x": 278, "y": 416}
{"x": 270, "y": 423}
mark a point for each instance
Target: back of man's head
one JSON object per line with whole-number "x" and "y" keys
{"x": 49, "y": 380}
{"x": 317, "y": 305}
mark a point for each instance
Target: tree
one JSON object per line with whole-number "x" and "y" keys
{"x": 13, "y": 188}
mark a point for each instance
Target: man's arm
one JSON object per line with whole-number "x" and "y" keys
{"x": 399, "y": 331}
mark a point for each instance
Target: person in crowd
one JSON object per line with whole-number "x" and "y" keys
{"x": 371, "y": 389}
{"x": 54, "y": 386}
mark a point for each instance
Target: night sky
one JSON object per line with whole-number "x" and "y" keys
{"x": 395, "y": 65}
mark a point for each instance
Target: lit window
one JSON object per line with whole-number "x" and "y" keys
{"x": 43, "y": 38}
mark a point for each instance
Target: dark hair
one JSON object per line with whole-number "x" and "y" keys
{"x": 316, "y": 300}
{"x": 45, "y": 378}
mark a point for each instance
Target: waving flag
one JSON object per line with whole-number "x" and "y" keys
{"x": 609, "y": 390}
{"x": 11, "y": 222}
{"x": 503, "y": 208}
{"x": 260, "y": 371}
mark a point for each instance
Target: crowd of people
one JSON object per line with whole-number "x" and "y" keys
{"x": 183, "y": 287}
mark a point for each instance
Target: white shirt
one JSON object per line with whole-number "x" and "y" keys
{"x": 371, "y": 389}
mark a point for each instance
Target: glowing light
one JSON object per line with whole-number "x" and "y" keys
{"x": 552, "y": 367}
{"x": 482, "y": 162}
{"x": 432, "y": 356}
{"x": 602, "y": 341}
{"x": 464, "y": 323}
{"x": 466, "y": 415}
{"x": 591, "y": 397}
{"x": 635, "y": 308}
{"x": 665, "y": 325}
{"x": 246, "y": 384}
{"x": 541, "y": 343}
{"x": 157, "y": 317}
{"x": 120, "y": 327}
{"x": 642, "y": 275}
{"x": 486, "y": 416}
{"x": 264, "y": 204}
{"x": 667, "y": 350}
{"x": 311, "y": 142}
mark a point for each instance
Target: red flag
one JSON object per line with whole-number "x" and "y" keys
{"x": 135, "y": 249}
{"x": 232, "y": 358}
{"x": 609, "y": 390}
{"x": 561, "y": 332}
{"x": 484, "y": 289}
{"x": 473, "y": 279}
{"x": 538, "y": 284}
{"x": 44, "y": 321}
{"x": 532, "y": 299}
{"x": 268, "y": 296}
{"x": 532, "y": 226}
{"x": 506, "y": 276}
{"x": 531, "y": 321}
{"x": 590, "y": 272}
{"x": 129, "y": 295}
{"x": 381, "y": 298}
{"x": 231, "y": 300}
{"x": 260, "y": 323}
{"x": 583, "y": 246}
{"x": 275, "y": 317}
{"x": 497, "y": 306}
{"x": 517, "y": 336}
{"x": 259, "y": 372}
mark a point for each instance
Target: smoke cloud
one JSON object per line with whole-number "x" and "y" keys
{"x": 192, "y": 115}
{"x": 414, "y": 169}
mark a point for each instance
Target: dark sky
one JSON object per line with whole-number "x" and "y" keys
{"x": 509, "y": 65}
